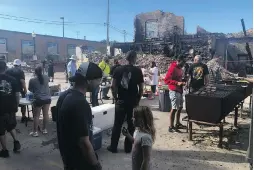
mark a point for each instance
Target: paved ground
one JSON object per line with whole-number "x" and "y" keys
{"x": 170, "y": 151}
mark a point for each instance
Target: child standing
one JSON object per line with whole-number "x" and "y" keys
{"x": 143, "y": 138}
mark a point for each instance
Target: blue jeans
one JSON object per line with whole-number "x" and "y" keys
{"x": 94, "y": 97}
{"x": 105, "y": 92}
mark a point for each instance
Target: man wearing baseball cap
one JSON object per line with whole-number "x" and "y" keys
{"x": 19, "y": 75}
{"x": 74, "y": 120}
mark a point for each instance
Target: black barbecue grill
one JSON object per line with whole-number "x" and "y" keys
{"x": 211, "y": 104}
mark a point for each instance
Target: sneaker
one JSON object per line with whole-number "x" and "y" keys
{"x": 177, "y": 130}
{"x": 180, "y": 126}
{"x": 17, "y": 146}
{"x": 44, "y": 131}
{"x": 111, "y": 150}
{"x": 171, "y": 129}
{"x": 34, "y": 134}
{"x": 4, "y": 154}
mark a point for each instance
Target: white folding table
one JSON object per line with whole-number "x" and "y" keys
{"x": 27, "y": 103}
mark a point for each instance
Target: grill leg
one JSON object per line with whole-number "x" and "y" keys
{"x": 220, "y": 136}
{"x": 187, "y": 128}
{"x": 190, "y": 131}
{"x": 236, "y": 116}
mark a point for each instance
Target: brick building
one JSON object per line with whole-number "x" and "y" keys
{"x": 157, "y": 24}
{"x": 21, "y": 45}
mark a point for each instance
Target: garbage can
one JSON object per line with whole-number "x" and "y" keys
{"x": 164, "y": 101}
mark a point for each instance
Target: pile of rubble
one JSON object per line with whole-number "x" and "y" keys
{"x": 249, "y": 33}
{"x": 142, "y": 60}
{"x": 145, "y": 61}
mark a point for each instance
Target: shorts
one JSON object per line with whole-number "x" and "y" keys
{"x": 153, "y": 88}
{"x": 176, "y": 99}
{"x": 40, "y": 103}
{"x": 7, "y": 123}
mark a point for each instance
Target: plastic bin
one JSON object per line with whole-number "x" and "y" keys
{"x": 164, "y": 101}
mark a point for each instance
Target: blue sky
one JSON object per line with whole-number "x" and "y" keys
{"x": 213, "y": 15}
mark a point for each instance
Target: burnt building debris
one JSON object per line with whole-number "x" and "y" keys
{"x": 161, "y": 35}
{"x": 157, "y": 25}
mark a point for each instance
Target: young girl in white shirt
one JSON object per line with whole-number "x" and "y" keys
{"x": 143, "y": 138}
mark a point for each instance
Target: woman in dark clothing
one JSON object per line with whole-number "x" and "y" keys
{"x": 51, "y": 71}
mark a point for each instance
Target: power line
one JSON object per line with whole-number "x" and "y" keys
{"x": 40, "y": 21}
{"x": 36, "y": 22}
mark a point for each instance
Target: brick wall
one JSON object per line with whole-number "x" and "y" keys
{"x": 14, "y": 40}
{"x": 165, "y": 21}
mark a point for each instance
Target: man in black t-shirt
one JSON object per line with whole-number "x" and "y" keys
{"x": 74, "y": 120}
{"x": 127, "y": 88}
{"x": 19, "y": 75}
{"x": 9, "y": 99}
{"x": 198, "y": 73}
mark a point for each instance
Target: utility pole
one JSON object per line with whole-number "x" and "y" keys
{"x": 62, "y": 18}
{"x": 77, "y": 34}
{"x": 108, "y": 25}
{"x": 124, "y": 35}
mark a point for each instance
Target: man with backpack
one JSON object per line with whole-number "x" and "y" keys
{"x": 127, "y": 88}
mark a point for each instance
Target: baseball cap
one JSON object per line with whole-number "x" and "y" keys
{"x": 73, "y": 57}
{"x": 88, "y": 71}
{"x": 17, "y": 62}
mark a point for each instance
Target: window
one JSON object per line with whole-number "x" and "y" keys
{"x": 27, "y": 47}
{"x": 71, "y": 49}
{"x": 52, "y": 48}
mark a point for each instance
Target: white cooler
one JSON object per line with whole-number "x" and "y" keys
{"x": 104, "y": 116}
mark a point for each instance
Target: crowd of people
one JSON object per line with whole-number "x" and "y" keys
{"x": 74, "y": 114}
{"x": 12, "y": 87}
